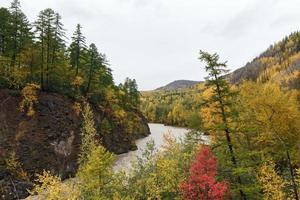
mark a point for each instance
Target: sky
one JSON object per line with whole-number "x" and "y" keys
{"x": 158, "y": 41}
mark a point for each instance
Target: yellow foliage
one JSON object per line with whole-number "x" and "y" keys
{"x": 77, "y": 82}
{"x": 30, "y": 97}
{"x": 50, "y": 187}
{"x": 15, "y": 167}
{"x": 273, "y": 112}
{"x": 77, "y": 108}
{"x": 271, "y": 183}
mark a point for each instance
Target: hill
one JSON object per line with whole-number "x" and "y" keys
{"x": 178, "y": 84}
{"x": 280, "y": 64}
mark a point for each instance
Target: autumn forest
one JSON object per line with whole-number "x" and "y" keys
{"x": 64, "y": 122}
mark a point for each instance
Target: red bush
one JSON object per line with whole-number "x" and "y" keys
{"x": 201, "y": 183}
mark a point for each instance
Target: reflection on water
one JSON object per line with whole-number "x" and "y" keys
{"x": 157, "y": 131}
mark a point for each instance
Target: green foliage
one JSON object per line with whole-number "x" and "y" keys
{"x": 88, "y": 133}
{"x": 51, "y": 187}
{"x": 96, "y": 175}
{"x": 180, "y": 107}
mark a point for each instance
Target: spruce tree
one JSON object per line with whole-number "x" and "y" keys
{"x": 4, "y": 30}
{"x": 45, "y": 30}
{"x": 77, "y": 47}
{"x": 20, "y": 31}
{"x": 58, "y": 39}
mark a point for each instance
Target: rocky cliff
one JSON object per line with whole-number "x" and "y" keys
{"x": 50, "y": 139}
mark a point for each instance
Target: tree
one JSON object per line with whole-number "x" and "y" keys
{"x": 88, "y": 133}
{"x": 20, "y": 31}
{"x": 95, "y": 173}
{"x": 51, "y": 187}
{"x": 273, "y": 116}
{"x": 96, "y": 64}
{"x": 201, "y": 183}
{"x": 76, "y": 49}
{"x": 221, "y": 97}
{"x": 58, "y": 38}
{"x": 272, "y": 184}
{"x": 131, "y": 97}
{"x": 50, "y": 35}
{"x": 5, "y": 27}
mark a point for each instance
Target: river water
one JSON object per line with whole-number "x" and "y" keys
{"x": 157, "y": 132}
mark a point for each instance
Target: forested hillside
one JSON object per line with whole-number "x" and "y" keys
{"x": 63, "y": 119}
{"x": 44, "y": 82}
{"x": 178, "y": 84}
{"x": 279, "y": 64}
{"x": 254, "y": 125}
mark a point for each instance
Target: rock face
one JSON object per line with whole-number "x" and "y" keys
{"x": 50, "y": 139}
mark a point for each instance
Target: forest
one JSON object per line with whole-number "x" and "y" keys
{"x": 251, "y": 116}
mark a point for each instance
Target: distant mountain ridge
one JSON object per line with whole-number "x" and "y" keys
{"x": 279, "y": 64}
{"x": 178, "y": 84}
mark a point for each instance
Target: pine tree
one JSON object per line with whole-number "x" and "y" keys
{"x": 5, "y": 17}
{"x": 96, "y": 66}
{"x": 58, "y": 39}
{"x": 45, "y": 30}
{"x": 222, "y": 97}
{"x": 131, "y": 94}
{"x": 77, "y": 47}
{"x": 20, "y": 31}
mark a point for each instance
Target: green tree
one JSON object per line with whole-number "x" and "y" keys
{"x": 96, "y": 66}
{"x": 131, "y": 97}
{"x": 88, "y": 133}
{"x": 20, "y": 31}
{"x": 5, "y": 27}
{"x": 222, "y": 98}
{"x": 76, "y": 49}
{"x": 50, "y": 33}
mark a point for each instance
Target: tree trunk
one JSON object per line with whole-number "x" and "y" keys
{"x": 90, "y": 76}
{"x": 292, "y": 176}
{"x": 42, "y": 64}
{"x": 77, "y": 59}
{"x": 228, "y": 138}
{"x": 48, "y": 58}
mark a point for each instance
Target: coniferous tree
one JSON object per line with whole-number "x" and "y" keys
{"x": 96, "y": 62}
{"x": 45, "y": 29}
{"x": 77, "y": 47}
{"x": 4, "y": 30}
{"x": 222, "y": 97}
{"x": 131, "y": 94}
{"x": 58, "y": 39}
{"x": 20, "y": 31}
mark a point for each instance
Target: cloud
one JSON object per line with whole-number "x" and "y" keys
{"x": 156, "y": 41}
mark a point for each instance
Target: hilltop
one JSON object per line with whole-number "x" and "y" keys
{"x": 178, "y": 84}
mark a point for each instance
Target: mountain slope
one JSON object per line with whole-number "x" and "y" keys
{"x": 280, "y": 63}
{"x": 179, "y": 84}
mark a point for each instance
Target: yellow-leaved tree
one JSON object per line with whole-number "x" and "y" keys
{"x": 272, "y": 184}
{"x": 272, "y": 114}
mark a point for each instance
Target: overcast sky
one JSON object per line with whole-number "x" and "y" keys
{"x": 157, "y": 41}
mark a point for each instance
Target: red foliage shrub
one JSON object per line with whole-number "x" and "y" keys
{"x": 201, "y": 183}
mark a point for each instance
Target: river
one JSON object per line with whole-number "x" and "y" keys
{"x": 157, "y": 131}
